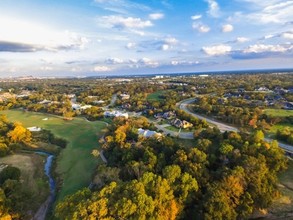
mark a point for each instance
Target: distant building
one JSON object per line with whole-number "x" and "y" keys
{"x": 44, "y": 102}
{"x": 99, "y": 102}
{"x": 80, "y": 107}
{"x": 262, "y": 89}
{"x": 125, "y": 96}
{"x": 70, "y": 96}
{"x": 288, "y": 106}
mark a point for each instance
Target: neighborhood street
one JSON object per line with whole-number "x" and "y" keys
{"x": 223, "y": 127}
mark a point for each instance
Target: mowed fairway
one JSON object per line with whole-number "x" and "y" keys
{"x": 75, "y": 164}
{"x": 156, "y": 96}
{"x": 279, "y": 112}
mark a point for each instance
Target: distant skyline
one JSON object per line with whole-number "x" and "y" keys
{"x": 93, "y": 37}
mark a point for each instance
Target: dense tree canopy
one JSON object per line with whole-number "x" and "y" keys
{"x": 225, "y": 177}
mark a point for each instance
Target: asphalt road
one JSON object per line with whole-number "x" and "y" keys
{"x": 223, "y": 127}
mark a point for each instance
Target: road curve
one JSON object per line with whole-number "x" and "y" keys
{"x": 183, "y": 105}
{"x": 222, "y": 127}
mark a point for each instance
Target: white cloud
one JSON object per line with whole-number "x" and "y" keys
{"x": 147, "y": 62}
{"x": 241, "y": 39}
{"x": 43, "y": 37}
{"x": 227, "y": 28}
{"x": 156, "y": 16}
{"x": 114, "y": 61}
{"x": 287, "y": 35}
{"x": 130, "y": 45}
{"x": 165, "y": 47}
{"x": 101, "y": 69}
{"x": 217, "y": 50}
{"x": 121, "y": 6}
{"x": 171, "y": 41}
{"x": 273, "y": 12}
{"x": 158, "y": 44}
{"x": 196, "y": 17}
{"x": 201, "y": 27}
{"x": 46, "y": 68}
{"x": 121, "y": 22}
{"x": 177, "y": 62}
{"x": 269, "y": 36}
{"x": 262, "y": 48}
{"x": 214, "y": 9}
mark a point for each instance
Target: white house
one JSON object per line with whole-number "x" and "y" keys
{"x": 115, "y": 114}
{"x": 125, "y": 96}
{"x": 148, "y": 133}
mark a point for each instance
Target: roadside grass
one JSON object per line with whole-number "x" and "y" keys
{"x": 156, "y": 96}
{"x": 32, "y": 175}
{"x": 185, "y": 143}
{"x": 173, "y": 128}
{"x": 278, "y": 112}
{"x": 75, "y": 164}
{"x": 280, "y": 126}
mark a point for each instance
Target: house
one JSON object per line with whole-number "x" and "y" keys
{"x": 159, "y": 115}
{"x": 99, "y": 102}
{"x": 262, "y": 89}
{"x": 84, "y": 107}
{"x": 181, "y": 123}
{"x": 80, "y": 107}
{"x": 6, "y": 96}
{"x": 24, "y": 93}
{"x": 148, "y": 133}
{"x": 169, "y": 115}
{"x": 288, "y": 106}
{"x": 126, "y": 106}
{"x": 125, "y": 96}
{"x": 115, "y": 114}
{"x": 75, "y": 106}
{"x": 44, "y": 102}
{"x": 70, "y": 96}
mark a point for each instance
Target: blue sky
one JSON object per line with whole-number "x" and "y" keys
{"x": 93, "y": 37}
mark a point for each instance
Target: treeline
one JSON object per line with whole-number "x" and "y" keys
{"x": 285, "y": 134}
{"x": 234, "y": 112}
{"x": 47, "y": 136}
{"x": 224, "y": 176}
{"x": 12, "y": 136}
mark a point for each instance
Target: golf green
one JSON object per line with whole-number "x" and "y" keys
{"x": 75, "y": 164}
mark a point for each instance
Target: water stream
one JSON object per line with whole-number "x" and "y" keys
{"x": 41, "y": 214}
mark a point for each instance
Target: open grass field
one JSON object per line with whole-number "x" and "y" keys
{"x": 155, "y": 96}
{"x": 279, "y": 112}
{"x": 75, "y": 164}
{"x": 277, "y": 127}
{"x": 32, "y": 174}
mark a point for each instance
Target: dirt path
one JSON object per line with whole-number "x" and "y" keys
{"x": 42, "y": 212}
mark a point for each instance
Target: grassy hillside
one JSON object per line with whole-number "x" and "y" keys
{"x": 75, "y": 164}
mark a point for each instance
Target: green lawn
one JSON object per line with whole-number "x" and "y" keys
{"x": 280, "y": 127}
{"x": 279, "y": 112}
{"x": 156, "y": 96}
{"x": 75, "y": 163}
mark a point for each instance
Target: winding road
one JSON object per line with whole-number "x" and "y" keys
{"x": 183, "y": 105}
